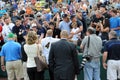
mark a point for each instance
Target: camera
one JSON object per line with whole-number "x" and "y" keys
{"x": 85, "y": 59}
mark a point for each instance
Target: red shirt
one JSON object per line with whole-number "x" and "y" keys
{"x": 1, "y": 37}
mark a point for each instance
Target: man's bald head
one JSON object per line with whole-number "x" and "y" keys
{"x": 64, "y": 34}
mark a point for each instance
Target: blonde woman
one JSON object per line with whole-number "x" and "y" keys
{"x": 31, "y": 50}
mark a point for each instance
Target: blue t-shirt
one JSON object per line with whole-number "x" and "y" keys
{"x": 11, "y": 50}
{"x": 55, "y": 10}
{"x": 2, "y": 12}
{"x": 114, "y": 23}
{"x": 65, "y": 26}
{"x": 48, "y": 17}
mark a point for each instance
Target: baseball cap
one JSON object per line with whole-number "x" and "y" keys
{"x": 17, "y": 18}
{"x": 11, "y": 35}
{"x": 72, "y": 16}
{"x": 39, "y": 14}
{"x": 64, "y": 15}
{"x": 103, "y": 6}
{"x": 34, "y": 25}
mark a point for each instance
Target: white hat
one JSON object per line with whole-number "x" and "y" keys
{"x": 34, "y": 25}
{"x": 38, "y": 14}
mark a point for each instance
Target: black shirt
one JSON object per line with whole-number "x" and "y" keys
{"x": 56, "y": 32}
{"x": 19, "y": 31}
{"x": 106, "y": 15}
{"x": 113, "y": 49}
{"x": 96, "y": 20}
{"x": 79, "y": 23}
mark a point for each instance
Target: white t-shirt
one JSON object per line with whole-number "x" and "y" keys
{"x": 75, "y": 37}
{"x": 46, "y": 44}
{"x": 6, "y": 30}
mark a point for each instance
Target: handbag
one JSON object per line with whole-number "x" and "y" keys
{"x": 40, "y": 61}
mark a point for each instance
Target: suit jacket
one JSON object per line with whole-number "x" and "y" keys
{"x": 63, "y": 60}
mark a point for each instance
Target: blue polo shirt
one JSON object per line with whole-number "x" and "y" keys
{"x": 48, "y": 17}
{"x": 11, "y": 50}
{"x": 114, "y": 23}
{"x": 113, "y": 49}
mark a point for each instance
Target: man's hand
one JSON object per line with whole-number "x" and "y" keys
{"x": 104, "y": 65}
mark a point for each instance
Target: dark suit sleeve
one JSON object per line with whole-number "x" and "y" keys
{"x": 75, "y": 59}
{"x": 51, "y": 58}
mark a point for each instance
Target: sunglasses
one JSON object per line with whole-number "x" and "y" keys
{"x": 38, "y": 16}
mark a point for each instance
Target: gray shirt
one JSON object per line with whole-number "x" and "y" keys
{"x": 95, "y": 46}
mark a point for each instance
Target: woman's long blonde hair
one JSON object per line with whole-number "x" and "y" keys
{"x": 31, "y": 37}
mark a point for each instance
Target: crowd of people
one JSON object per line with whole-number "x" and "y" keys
{"x": 58, "y": 27}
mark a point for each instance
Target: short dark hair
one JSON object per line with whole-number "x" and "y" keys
{"x": 52, "y": 23}
{"x": 64, "y": 15}
{"x": 114, "y": 11}
{"x": 91, "y": 30}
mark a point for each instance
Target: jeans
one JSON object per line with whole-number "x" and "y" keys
{"x": 92, "y": 70}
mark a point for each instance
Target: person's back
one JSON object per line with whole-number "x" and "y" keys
{"x": 114, "y": 47}
{"x": 31, "y": 48}
{"x": 46, "y": 43}
{"x": 11, "y": 53}
{"x": 12, "y": 47}
{"x": 111, "y": 57}
{"x": 63, "y": 56}
{"x": 92, "y": 45}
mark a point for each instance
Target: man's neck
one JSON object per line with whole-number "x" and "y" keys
{"x": 64, "y": 38}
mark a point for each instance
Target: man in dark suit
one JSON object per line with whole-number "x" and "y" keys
{"x": 63, "y": 59}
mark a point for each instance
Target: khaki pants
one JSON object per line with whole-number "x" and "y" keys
{"x": 25, "y": 71}
{"x": 14, "y": 69}
{"x": 113, "y": 69}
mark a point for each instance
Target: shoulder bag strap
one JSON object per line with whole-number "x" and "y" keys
{"x": 88, "y": 45}
{"x": 38, "y": 51}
